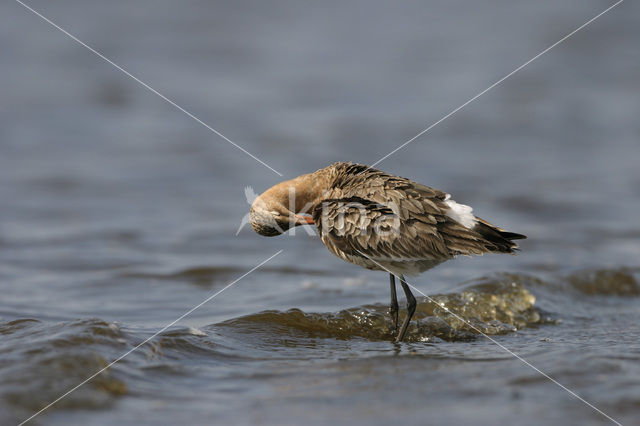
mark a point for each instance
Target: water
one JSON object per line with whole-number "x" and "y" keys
{"x": 119, "y": 212}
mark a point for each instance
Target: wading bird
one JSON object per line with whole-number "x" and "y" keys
{"x": 380, "y": 222}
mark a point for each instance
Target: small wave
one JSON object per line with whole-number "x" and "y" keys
{"x": 42, "y": 361}
{"x": 612, "y": 282}
{"x": 206, "y": 275}
{"x": 197, "y": 275}
{"x": 491, "y": 307}
{"x": 620, "y": 281}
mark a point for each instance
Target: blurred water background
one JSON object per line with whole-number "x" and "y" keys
{"x": 118, "y": 212}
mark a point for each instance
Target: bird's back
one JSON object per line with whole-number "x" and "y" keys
{"x": 372, "y": 218}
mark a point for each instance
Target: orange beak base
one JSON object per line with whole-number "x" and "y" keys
{"x": 304, "y": 220}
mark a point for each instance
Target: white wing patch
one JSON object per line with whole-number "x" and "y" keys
{"x": 460, "y": 213}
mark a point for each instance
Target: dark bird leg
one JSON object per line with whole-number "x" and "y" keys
{"x": 411, "y": 309}
{"x": 393, "y": 307}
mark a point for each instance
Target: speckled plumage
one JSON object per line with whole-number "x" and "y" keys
{"x": 426, "y": 233}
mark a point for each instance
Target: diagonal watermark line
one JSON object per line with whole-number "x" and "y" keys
{"x": 145, "y": 85}
{"x": 452, "y": 112}
{"x": 149, "y": 338}
{"x": 519, "y": 357}
{"x": 280, "y": 174}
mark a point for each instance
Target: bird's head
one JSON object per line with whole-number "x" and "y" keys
{"x": 282, "y": 207}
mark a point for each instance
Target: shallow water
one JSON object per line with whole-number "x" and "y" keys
{"x": 119, "y": 213}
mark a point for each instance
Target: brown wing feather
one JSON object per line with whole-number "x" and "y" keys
{"x": 424, "y": 229}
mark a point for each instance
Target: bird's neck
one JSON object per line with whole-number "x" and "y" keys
{"x": 301, "y": 194}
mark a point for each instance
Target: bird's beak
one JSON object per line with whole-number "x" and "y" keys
{"x": 304, "y": 220}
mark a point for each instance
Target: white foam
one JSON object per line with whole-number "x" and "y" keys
{"x": 196, "y": 332}
{"x": 460, "y": 213}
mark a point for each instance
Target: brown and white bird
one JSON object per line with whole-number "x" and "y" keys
{"x": 379, "y": 221}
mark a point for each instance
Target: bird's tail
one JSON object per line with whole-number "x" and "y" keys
{"x": 498, "y": 237}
